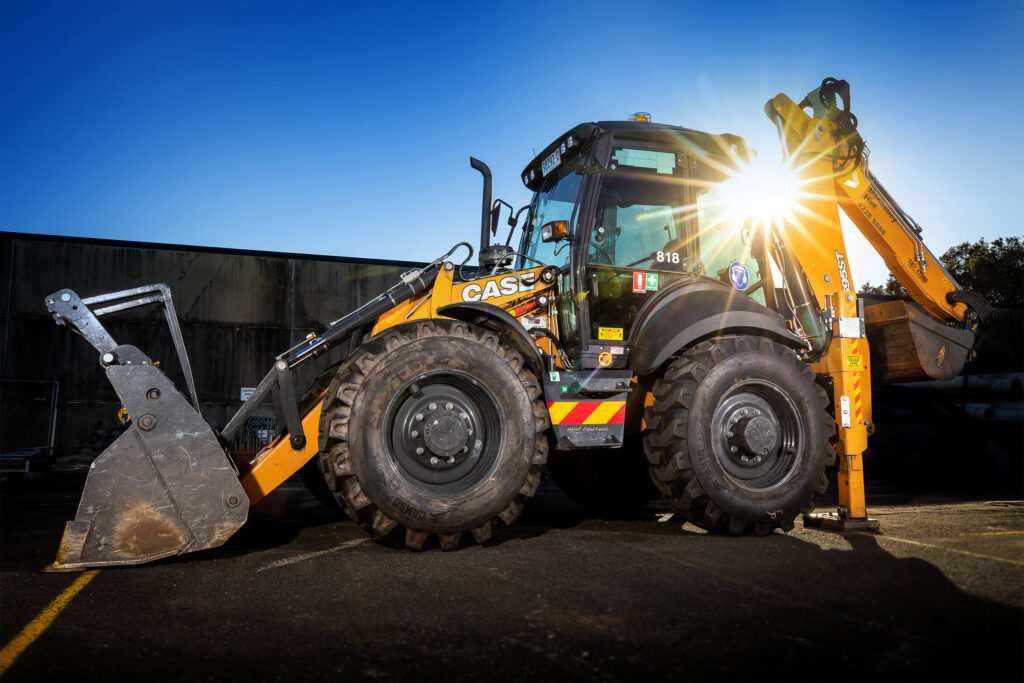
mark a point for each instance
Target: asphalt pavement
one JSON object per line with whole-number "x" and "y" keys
{"x": 300, "y": 594}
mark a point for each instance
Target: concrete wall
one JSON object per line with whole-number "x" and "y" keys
{"x": 238, "y": 309}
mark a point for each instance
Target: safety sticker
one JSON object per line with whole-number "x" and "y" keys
{"x": 645, "y": 282}
{"x": 617, "y": 350}
{"x": 738, "y": 275}
{"x": 612, "y": 333}
{"x": 587, "y": 412}
{"x": 605, "y": 359}
{"x": 855, "y": 362}
{"x": 532, "y": 321}
{"x": 554, "y": 376}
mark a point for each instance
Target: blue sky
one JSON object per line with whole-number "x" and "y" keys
{"x": 346, "y": 128}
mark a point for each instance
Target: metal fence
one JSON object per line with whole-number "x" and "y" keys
{"x": 28, "y": 422}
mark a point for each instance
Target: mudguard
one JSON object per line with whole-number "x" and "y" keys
{"x": 501, "y": 323}
{"x": 694, "y": 309}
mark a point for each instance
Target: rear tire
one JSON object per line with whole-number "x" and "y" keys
{"x": 431, "y": 430}
{"x": 739, "y": 436}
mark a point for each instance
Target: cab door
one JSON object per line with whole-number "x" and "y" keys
{"x": 641, "y": 238}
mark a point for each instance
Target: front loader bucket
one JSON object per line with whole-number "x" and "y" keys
{"x": 163, "y": 488}
{"x": 907, "y": 344}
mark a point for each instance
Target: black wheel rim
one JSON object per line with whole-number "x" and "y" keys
{"x": 757, "y": 435}
{"x": 443, "y": 433}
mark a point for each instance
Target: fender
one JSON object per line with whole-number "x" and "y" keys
{"x": 693, "y": 309}
{"x": 502, "y": 323}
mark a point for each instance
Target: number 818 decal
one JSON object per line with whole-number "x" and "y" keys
{"x": 666, "y": 257}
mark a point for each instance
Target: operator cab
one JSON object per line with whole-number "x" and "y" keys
{"x": 645, "y": 206}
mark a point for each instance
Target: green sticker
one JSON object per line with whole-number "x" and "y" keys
{"x": 565, "y": 388}
{"x": 554, "y": 376}
{"x": 652, "y": 282}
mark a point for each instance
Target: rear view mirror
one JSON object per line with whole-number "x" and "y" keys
{"x": 554, "y": 231}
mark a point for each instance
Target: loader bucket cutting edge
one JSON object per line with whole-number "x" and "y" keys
{"x": 163, "y": 488}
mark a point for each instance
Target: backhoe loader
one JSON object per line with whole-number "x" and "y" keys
{"x": 666, "y": 289}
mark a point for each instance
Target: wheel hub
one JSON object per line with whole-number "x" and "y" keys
{"x": 446, "y": 432}
{"x": 438, "y": 431}
{"x": 749, "y": 437}
{"x": 754, "y": 435}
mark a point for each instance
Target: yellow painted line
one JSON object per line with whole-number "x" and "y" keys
{"x": 319, "y": 553}
{"x": 989, "y": 533}
{"x": 13, "y": 649}
{"x": 604, "y": 412}
{"x": 948, "y": 550}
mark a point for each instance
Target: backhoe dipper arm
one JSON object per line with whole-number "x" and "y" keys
{"x": 828, "y": 151}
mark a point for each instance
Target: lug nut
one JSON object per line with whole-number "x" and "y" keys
{"x": 451, "y": 459}
{"x": 733, "y": 449}
{"x": 744, "y": 458}
{"x": 465, "y": 417}
{"x": 434, "y": 460}
{"x": 756, "y": 413}
{"x": 465, "y": 449}
{"x": 729, "y": 434}
{"x": 414, "y": 434}
{"x": 419, "y": 417}
{"x": 449, "y": 406}
{"x": 433, "y": 406}
{"x": 743, "y": 411}
{"x": 757, "y": 459}
{"x": 733, "y": 420}
{"x": 419, "y": 450}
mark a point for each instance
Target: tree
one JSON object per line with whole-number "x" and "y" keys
{"x": 994, "y": 270}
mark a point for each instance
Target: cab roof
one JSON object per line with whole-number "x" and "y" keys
{"x": 600, "y": 135}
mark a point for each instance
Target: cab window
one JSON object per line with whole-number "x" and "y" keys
{"x": 553, "y": 202}
{"x": 726, "y": 245}
{"x": 640, "y": 222}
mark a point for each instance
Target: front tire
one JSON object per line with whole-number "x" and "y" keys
{"x": 739, "y": 436}
{"x": 432, "y": 430}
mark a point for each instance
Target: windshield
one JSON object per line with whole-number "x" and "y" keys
{"x": 640, "y": 223}
{"x": 553, "y": 202}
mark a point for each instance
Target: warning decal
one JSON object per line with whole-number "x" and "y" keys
{"x": 587, "y": 412}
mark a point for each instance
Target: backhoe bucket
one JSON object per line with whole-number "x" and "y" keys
{"x": 163, "y": 488}
{"x": 907, "y": 344}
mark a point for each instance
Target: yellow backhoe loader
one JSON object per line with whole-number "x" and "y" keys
{"x": 668, "y": 287}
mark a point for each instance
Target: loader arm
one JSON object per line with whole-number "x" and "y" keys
{"x": 831, "y": 163}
